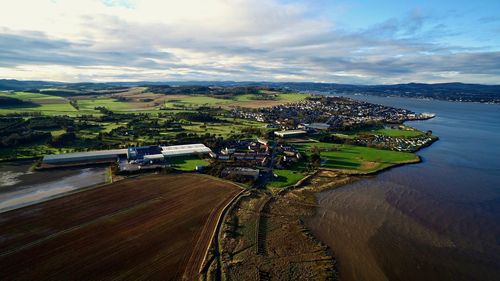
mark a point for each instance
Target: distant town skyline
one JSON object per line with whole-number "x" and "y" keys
{"x": 357, "y": 42}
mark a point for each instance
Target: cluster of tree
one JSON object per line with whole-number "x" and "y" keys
{"x": 22, "y": 114}
{"x": 71, "y": 139}
{"x": 16, "y": 139}
{"x": 18, "y": 131}
{"x": 74, "y": 104}
{"x": 6, "y": 102}
{"x": 50, "y": 122}
{"x": 9, "y": 122}
{"x": 65, "y": 139}
{"x": 197, "y": 117}
{"x": 315, "y": 159}
{"x": 104, "y": 110}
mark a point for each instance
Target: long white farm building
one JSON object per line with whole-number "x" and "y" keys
{"x": 132, "y": 153}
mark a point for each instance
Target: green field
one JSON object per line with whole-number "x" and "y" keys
{"x": 286, "y": 177}
{"x": 187, "y": 163}
{"x": 56, "y": 105}
{"x": 397, "y": 133}
{"x": 196, "y": 101}
{"x": 49, "y": 105}
{"x": 356, "y": 158}
{"x": 88, "y": 105}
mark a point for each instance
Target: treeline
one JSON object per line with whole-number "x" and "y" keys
{"x": 219, "y": 92}
{"x": 16, "y": 131}
{"x": 21, "y": 138}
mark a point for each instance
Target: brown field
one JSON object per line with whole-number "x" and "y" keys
{"x": 136, "y": 229}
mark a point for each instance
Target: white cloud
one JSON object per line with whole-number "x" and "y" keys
{"x": 110, "y": 40}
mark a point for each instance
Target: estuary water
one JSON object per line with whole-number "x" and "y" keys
{"x": 436, "y": 220}
{"x": 19, "y": 186}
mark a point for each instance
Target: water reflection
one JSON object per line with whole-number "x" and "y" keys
{"x": 19, "y": 186}
{"x": 437, "y": 220}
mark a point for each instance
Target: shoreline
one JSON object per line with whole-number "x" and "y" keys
{"x": 306, "y": 190}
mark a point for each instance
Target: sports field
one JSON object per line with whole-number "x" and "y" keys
{"x": 137, "y": 229}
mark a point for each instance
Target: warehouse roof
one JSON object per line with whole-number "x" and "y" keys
{"x": 174, "y": 150}
{"x": 140, "y": 151}
{"x": 319, "y": 126}
{"x": 289, "y": 132}
{"x": 75, "y": 155}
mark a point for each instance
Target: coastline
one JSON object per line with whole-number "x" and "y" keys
{"x": 307, "y": 189}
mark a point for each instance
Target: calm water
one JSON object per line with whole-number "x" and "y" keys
{"x": 437, "y": 220}
{"x": 20, "y": 187}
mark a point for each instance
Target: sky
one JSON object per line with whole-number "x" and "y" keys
{"x": 357, "y": 42}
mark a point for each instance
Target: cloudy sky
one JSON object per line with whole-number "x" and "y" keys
{"x": 365, "y": 42}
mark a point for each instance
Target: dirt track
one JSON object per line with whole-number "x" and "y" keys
{"x": 137, "y": 229}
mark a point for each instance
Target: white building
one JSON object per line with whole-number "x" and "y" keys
{"x": 185, "y": 149}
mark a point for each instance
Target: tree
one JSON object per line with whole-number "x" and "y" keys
{"x": 315, "y": 157}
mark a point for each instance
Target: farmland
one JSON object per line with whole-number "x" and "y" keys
{"x": 137, "y": 229}
{"x": 137, "y": 99}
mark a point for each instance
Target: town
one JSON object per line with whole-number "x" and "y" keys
{"x": 282, "y": 144}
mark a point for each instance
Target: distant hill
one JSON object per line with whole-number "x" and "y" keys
{"x": 442, "y": 91}
{"x": 16, "y": 85}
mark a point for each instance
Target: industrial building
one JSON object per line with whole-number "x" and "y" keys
{"x": 142, "y": 154}
{"x": 241, "y": 171}
{"x": 182, "y": 150}
{"x": 317, "y": 126}
{"x": 290, "y": 133}
{"x": 89, "y": 156}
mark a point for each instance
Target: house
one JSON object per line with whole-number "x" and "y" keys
{"x": 317, "y": 126}
{"x": 241, "y": 171}
{"x": 262, "y": 141}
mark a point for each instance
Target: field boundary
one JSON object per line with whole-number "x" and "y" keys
{"x": 214, "y": 237}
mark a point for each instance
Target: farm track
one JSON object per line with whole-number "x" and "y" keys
{"x": 193, "y": 266}
{"x": 261, "y": 229}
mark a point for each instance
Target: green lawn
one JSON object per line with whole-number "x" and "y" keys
{"x": 357, "y": 158}
{"x": 187, "y": 163}
{"x": 397, "y": 133}
{"x": 285, "y": 178}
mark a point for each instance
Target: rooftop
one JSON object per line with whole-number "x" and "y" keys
{"x": 174, "y": 150}
{"x": 290, "y": 132}
{"x": 103, "y": 153}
